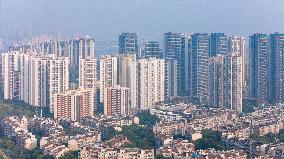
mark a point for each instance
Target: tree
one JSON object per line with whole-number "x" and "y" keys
{"x": 100, "y": 108}
{"x": 141, "y": 137}
{"x": 108, "y": 133}
{"x": 211, "y": 139}
{"x": 70, "y": 155}
{"x": 161, "y": 157}
{"x": 281, "y": 135}
{"x": 145, "y": 118}
{"x": 266, "y": 139}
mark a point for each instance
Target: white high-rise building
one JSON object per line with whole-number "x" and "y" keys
{"x": 127, "y": 76}
{"x": 58, "y": 78}
{"x": 24, "y": 80}
{"x": 234, "y": 82}
{"x": 108, "y": 73}
{"x": 225, "y": 76}
{"x": 34, "y": 78}
{"x": 38, "y": 81}
{"x": 216, "y": 81}
{"x": 88, "y": 73}
{"x": 117, "y": 101}
{"x": 88, "y": 76}
{"x": 151, "y": 82}
{"x": 10, "y": 75}
{"x": 237, "y": 46}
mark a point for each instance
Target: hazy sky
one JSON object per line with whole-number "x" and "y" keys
{"x": 105, "y": 19}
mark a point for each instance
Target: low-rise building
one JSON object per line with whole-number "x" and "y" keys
{"x": 16, "y": 128}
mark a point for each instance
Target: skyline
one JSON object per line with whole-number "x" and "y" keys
{"x": 143, "y": 79}
{"x": 106, "y": 20}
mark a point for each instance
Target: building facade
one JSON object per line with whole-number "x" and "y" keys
{"x": 58, "y": 72}
{"x": 276, "y": 68}
{"x": 237, "y": 45}
{"x": 259, "y": 67}
{"x": 128, "y": 43}
{"x": 117, "y": 101}
{"x": 10, "y": 75}
{"x": 199, "y": 53}
{"x": 151, "y": 82}
{"x": 218, "y": 44}
{"x": 127, "y": 75}
{"x": 74, "y": 104}
{"x": 225, "y": 86}
{"x": 173, "y": 51}
{"x": 88, "y": 73}
{"x": 152, "y": 49}
{"x": 108, "y": 73}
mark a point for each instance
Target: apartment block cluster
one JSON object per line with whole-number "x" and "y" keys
{"x": 214, "y": 69}
{"x": 49, "y": 73}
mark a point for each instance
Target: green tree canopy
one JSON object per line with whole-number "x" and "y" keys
{"x": 141, "y": 137}
{"x": 211, "y": 139}
{"x": 145, "y": 118}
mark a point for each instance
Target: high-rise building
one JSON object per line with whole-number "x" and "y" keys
{"x": 58, "y": 47}
{"x": 80, "y": 49}
{"x": 128, "y": 43}
{"x": 173, "y": 51}
{"x": 88, "y": 73}
{"x": 74, "y": 54}
{"x": 259, "y": 63}
{"x": 151, "y": 82}
{"x": 34, "y": 78}
{"x": 108, "y": 73}
{"x": 117, "y": 101}
{"x": 185, "y": 48}
{"x": 218, "y": 44}
{"x": 199, "y": 53}
{"x": 1, "y": 44}
{"x": 74, "y": 104}
{"x": 233, "y": 82}
{"x": 24, "y": 78}
{"x": 152, "y": 49}
{"x": 86, "y": 47}
{"x": 170, "y": 78}
{"x": 127, "y": 75}
{"x": 237, "y": 46}
{"x": 225, "y": 86}
{"x": 38, "y": 77}
{"x": 88, "y": 76}
{"x": 58, "y": 81}
{"x": 276, "y": 68}
{"x": 216, "y": 81}
{"x": 10, "y": 75}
